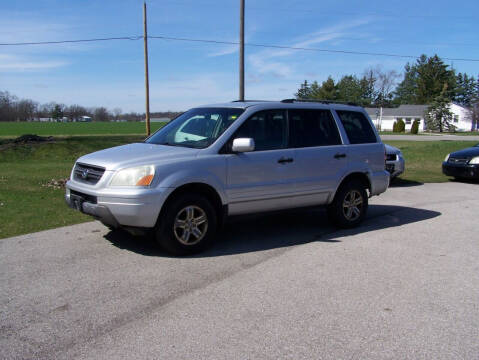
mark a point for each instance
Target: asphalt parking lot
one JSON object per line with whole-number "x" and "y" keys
{"x": 405, "y": 285}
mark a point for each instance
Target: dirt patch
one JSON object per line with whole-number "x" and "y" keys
{"x": 56, "y": 183}
{"x": 25, "y": 139}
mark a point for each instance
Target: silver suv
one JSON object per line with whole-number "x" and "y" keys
{"x": 229, "y": 159}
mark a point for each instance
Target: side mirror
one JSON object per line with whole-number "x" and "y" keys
{"x": 243, "y": 145}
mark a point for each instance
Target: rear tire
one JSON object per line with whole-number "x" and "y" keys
{"x": 350, "y": 205}
{"x": 188, "y": 225}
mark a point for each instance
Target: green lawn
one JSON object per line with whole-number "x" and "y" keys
{"x": 27, "y": 206}
{"x": 14, "y": 129}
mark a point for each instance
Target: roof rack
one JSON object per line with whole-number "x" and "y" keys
{"x": 319, "y": 101}
{"x": 251, "y": 100}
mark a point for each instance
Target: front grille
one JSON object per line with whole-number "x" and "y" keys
{"x": 88, "y": 173}
{"x": 458, "y": 160}
{"x": 391, "y": 157}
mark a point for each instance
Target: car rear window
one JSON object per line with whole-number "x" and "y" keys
{"x": 357, "y": 126}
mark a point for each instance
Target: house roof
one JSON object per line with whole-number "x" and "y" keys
{"x": 401, "y": 111}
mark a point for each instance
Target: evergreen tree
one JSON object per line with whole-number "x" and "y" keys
{"x": 327, "y": 91}
{"x": 438, "y": 115}
{"x": 424, "y": 81}
{"x": 466, "y": 89}
{"x": 304, "y": 91}
{"x": 349, "y": 89}
{"x": 57, "y": 112}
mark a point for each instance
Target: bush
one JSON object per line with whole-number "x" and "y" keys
{"x": 401, "y": 126}
{"x": 395, "y": 126}
{"x": 415, "y": 127}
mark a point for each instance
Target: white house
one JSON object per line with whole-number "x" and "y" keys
{"x": 462, "y": 118}
{"x": 384, "y": 119}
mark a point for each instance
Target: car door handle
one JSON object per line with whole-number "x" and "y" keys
{"x": 339, "y": 156}
{"x": 285, "y": 160}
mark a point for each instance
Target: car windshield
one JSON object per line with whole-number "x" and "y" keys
{"x": 197, "y": 128}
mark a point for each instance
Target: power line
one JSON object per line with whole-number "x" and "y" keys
{"x": 72, "y": 41}
{"x": 303, "y": 48}
{"x": 271, "y": 46}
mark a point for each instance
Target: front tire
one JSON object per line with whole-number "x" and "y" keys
{"x": 188, "y": 225}
{"x": 350, "y": 205}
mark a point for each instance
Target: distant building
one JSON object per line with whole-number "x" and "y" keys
{"x": 408, "y": 113}
{"x": 160, "y": 120}
{"x": 84, "y": 119}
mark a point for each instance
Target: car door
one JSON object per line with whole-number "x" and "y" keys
{"x": 365, "y": 151}
{"x": 319, "y": 156}
{"x": 261, "y": 180}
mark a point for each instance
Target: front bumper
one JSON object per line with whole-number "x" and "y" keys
{"x": 460, "y": 170}
{"x": 124, "y": 207}
{"x": 395, "y": 167}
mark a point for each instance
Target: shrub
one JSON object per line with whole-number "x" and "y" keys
{"x": 415, "y": 127}
{"x": 401, "y": 125}
{"x": 395, "y": 126}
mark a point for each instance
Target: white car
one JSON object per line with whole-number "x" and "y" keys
{"x": 395, "y": 163}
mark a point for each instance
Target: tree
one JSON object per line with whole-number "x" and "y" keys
{"x": 75, "y": 111}
{"x": 26, "y": 109}
{"x": 101, "y": 114}
{"x": 424, "y": 81}
{"x": 57, "y": 112}
{"x": 415, "y": 127}
{"x": 438, "y": 115}
{"x": 117, "y": 112}
{"x": 474, "y": 115}
{"x": 384, "y": 85}
{"x": 304, "y": 92}
{"x": 328, "y": 90}
{"x": 349, "y": 89}
{"x": 466, "y": 89}
{"x": 7, "y": 106}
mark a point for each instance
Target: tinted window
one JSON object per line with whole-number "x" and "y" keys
{"x": 267, "y": 128}
{"x": 312, "y": 128}
{"x": 357, "y": 127}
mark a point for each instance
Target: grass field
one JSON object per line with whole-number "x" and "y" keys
{"x": 26, "y": 205}
{"x": 14, "y": 129}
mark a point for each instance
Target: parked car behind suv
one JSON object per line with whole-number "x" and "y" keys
{"x": 229, "y": 159}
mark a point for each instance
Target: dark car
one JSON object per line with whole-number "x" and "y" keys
{"x": 462, "y": 164}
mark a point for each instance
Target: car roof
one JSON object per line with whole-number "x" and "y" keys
{"x": 285, "y": 104}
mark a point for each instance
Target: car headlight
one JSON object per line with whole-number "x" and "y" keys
{"x": 447, "y": 157}
{"x": 474, "y": 160}
{"x": 135, "y": 176}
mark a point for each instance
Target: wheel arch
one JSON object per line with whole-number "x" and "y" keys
{"x": 363, "y": 177}
{"x": 203, "y": 189}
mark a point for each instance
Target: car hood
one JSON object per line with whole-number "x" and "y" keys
{"x": 391, "y": 149}
{"x": 466, "y": 153}
{"x": 136, "y": 154}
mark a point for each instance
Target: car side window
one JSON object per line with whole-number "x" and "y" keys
{"x": 357, "y": 127}
{"x": 312, "y": 128}
{"x": 266, "y": 128}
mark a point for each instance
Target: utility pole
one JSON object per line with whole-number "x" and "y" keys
{"x": 241, "y": 53}
{"x": 147, "y": 85}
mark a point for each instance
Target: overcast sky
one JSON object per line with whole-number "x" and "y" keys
{"x": 185, "y": 74}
